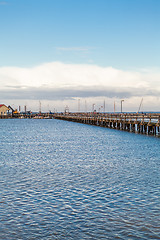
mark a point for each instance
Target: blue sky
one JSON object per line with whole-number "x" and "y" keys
{"x": 119, "y": 33}
{"x": 59, "y": 51}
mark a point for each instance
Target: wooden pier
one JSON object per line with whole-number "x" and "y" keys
{"x": 148, "y": 123}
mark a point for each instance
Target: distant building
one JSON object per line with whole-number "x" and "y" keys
{"x": 3, "y": 110}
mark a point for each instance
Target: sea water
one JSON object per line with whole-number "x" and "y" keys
{"x": 64, "y": 180}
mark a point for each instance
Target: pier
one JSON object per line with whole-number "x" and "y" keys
{"x": 142, "y": 123}
{"x": 147, "y": 123}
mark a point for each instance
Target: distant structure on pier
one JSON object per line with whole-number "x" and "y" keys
{"x": 66, "y": 110}
{"x": 3, "y": 110}
{"x": 25, "y": 109}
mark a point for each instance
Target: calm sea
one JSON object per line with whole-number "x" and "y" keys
{"x": 64, "y": 180}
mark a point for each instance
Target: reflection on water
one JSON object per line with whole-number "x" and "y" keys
{"x": 63, "y": 180}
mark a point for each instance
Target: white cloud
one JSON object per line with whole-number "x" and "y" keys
{"x": 3, "y": 3}
{"x": 61, "y": 82}
{"x": 79, "y": 49}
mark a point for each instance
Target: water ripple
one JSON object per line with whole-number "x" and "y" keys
{"x": 62, "y": 180}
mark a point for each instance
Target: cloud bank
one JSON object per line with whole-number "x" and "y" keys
{"x": 57, "y": 81}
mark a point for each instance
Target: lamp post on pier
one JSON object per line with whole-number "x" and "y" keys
{"x": 121, "y": 104}
{"x": 78, "y": 105}
{"x": 93, "y": 105}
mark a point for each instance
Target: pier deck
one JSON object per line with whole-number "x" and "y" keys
{"x": 148, "y": 123}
